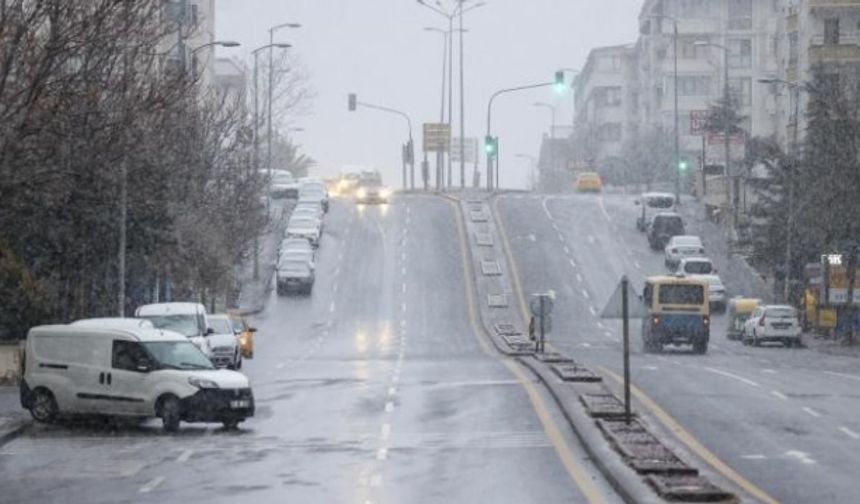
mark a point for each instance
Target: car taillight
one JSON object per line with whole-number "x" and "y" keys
{"x": 707, "y": 320}
{"x": 761, "y": 322}
{"x": 655, "y": 320}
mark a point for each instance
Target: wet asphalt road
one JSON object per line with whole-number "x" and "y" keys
{"x": 786, "y": 420}
{"x": 373, "y": 389}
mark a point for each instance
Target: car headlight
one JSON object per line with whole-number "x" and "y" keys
{"x": 385, "y": 193}
{"x": 361, "y": 193}
{"x": 202, "y": 383}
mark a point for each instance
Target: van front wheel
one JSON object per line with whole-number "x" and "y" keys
{"x": 44, "y": 407}
{"x": 170, "y": 413}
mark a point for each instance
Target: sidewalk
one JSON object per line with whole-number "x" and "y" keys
{"x": 831, "y": 346}
{"x": 13, "y": 418}
{"x": 255, "y": 293}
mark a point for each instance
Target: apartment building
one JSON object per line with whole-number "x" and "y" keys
{"x": 190, "y": 26}
{"x": 606, "y": 96}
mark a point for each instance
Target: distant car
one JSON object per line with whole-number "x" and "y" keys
{"x": 282, "y": 185}
{"x": 304, "y": 227}
{"x": 290, "y": 244}
{"x": 305, "y": 255}
{"x": 244, "y": 332}
{"x": 695, "y": 266}
{"x": 372, "y": 191}
{"x": 716, "y": 292}
{"x": 348, "y": 183}
{"x": 114, "y": 323}
{"x": 772, "y": 323}
{"x": 682, "y": 246}
{"x": 653, "y": 202}
{"x": 310, "y": 213}
{"x": 294, "y": 274}
{"x": 588, "y": 182}
{"x": 662, "y": 227}
{"x": 222, "y": 343}
{"x": 313, "y": 191}
{"x": 188, "y": 319}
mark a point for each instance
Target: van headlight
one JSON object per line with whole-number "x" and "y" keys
{"x": 202, "y": 383}
{"x": 385, "y": 193}
{"x": 361, "y": 193}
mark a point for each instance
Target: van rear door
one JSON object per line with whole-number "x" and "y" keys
{"x": 70, "y": 365}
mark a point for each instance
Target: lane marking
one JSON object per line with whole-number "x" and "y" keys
{"x": 389, "y": 407}
{"x": 579, "y": 278}
{"x": 392, "y": 391}
{"x": 850, "y": 433}
{"x": 804, "y": 458}
{"x": 334, "y": 287}
{"x": 733, "y": 377}
{"x": 185, "y": 456}
{"x": 585, "y": 294}
{"x": 337, "y": 271}
{"x": 561, "y": 237}
{"x": 382, "y": 454}
{"x": 403, "y": 288}
{"x": 811, "y": 411}
{"x": 545, "y": 208}
{"x": 842, "y": 375}
{"x": 754, "y": 457}
{"x": 403, "y": 271}
{"x": 152, "y": 485}
{"x": 603, "y": 209}
{"x": 403, "y": 323}
{"x": 567, "y": 250}
{"x": 779, "y": 394}
{"x": 691, "y": 442}
{"x": 636, "y": 263}
{"x": 601, "y": 325}
{"x": 403, "y": 306}
{"x": 331, "y": 307}
{"x": 592, "y": 310}
{"x": 591, "y": 239}
{"x": 609, "y": 335}
{"x": 769, "y": 371}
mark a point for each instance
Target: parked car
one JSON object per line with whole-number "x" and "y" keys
{"x": 716, "y": 292}
{"x": 304, "y": 227}
{"x": 682, "y": 246}
{"x": 294, "y": 275}
{"x": 290, "y": 244}
{"x": 696, "y": 266}
{"x": 653, "y": 202}
{"x": 222, "y": 343}
{"x": 282, "y": 185}
{"x": 662, "y": 228}
{"x": 588, "y": 182}
{"x": 187, "y": 319}
{"x": 139, "y": 372}
{"x": 773, "y": 323}
{"x": 310, "y": 213}
{"x": 244, "y": 332}
{"x": 114, "y": 323}
{"x": 314, "y": 191}
{"x": 301, "y": 254}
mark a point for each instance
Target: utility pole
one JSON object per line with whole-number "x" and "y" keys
{"x": 677, "y": 129}
{"x": 451, "y": 95}
{"x": 462, "y": 109}
{"x": 272, "y": 45}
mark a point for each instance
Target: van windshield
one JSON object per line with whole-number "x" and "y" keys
{"x": 185, "y": 325}
{"x": 682, "y": 294}
{"x": 661, "y": 201}
{"x": 178, "y": 355}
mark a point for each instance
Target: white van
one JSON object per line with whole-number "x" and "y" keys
{"x": 141, "y": 372}
{"x": 187, "y": 319}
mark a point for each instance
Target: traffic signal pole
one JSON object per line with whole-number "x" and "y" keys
{"x": 408, "y": 151}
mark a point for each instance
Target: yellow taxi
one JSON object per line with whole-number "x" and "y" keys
{"x": 244, "y": 333}
{"x": 588, "y": 182}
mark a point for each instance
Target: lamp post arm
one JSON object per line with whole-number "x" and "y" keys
{"x": 390, "y": 111}
{"x": 508, "y": 90}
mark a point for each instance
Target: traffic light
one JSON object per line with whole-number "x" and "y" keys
{"x": 353, "y": 101}
{"x": 682, "y": 165}
{"x": 559, "y": 82}
{"x": 491, "y": 145}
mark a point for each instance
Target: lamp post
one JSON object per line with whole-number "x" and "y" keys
{"x": 795, "y": 89}
{"x": 440, "y": 156}
{"x": 552, "y": 109}
{"x": 677, "y": 168}
{"x": 408, "y": 152}
{"x": 272, "y": 44}
{"x": 575, "y": 72}
{"x": 730, "y": 200}
{"x": 458, "y": 11}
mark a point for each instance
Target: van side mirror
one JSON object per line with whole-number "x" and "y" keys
{"x": 143, "y": 368}
{"x": 210, "y": 331}
{"x": 252, "y": 329}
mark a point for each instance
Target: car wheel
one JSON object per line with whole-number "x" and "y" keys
{"x": 170, "y": 412}
{"x": 238, "y": 361}
{"x": 44, "y": 406}
{"x": 231, "y": 424}
{"x": 755, "y": 341}
{"x": 700, "y": 347}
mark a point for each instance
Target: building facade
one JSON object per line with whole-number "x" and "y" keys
{"x": 190, "y": 27}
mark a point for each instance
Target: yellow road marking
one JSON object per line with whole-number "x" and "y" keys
{"x": 574, "y": 470}
{"x": 670, "y": 423}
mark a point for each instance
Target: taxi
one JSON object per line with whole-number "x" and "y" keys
{"x": 244, "y": 333}
{"x": 678, "y": 312}
{"x": 589, "y": 182}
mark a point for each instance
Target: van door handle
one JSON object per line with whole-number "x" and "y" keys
{"x": 101, "y": 378}
{"x": 108, "y": 378}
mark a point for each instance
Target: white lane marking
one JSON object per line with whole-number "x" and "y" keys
{"x": 403, "y": 271}
{"x": 334, "y": 287}
{"x": 586, "y": 345}
{"x": 561, "y": 237}
{"x": 754, "y": 457}
{"x": 403, "y": 306}
{"x": 585, "y": 294}
{"x": 651, "y": 368}
{"x": 573, "y": 263}
{"x": 337, "y": 271}
{"x": 546, "y": 209}
{"x": 567, "y": 250}
{"x": 811, "y": 411}
{"x": 389, "y": 407}
{"x": 555, "y": 226}
{"x": 843, "y": 375}
{"x": 392, "y": 390}
{"x": 601, "y": 325}
{"x": 153, "y": 483}
{"x": 382, "y": 454}
{"x": 592, "y": 310}
{"x": 403, "y": 323}
{"x": 801, "y": 456}
{"x": 609, "y": 335}
{"x": 579, "y": 278}
{"x": 603, "y": 209}
{"x": 733, "y": 376}
{"x": 779, "y": 394}
{"x": 185, "y": 456}
{"x": 591, "y": 239}
{"x": 331, "y": 307}
{"x": 403, "y": 288}
{"x": 636, "y": 263}
{"x": 769, "y": 371}
{"x": 386, "y": 431}
{"x": 850, "y": 433}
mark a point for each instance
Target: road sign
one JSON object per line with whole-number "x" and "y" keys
{"x": 613, "y": 308}
{"x": 471, "y": 153}
{"x": 698, "y": 120}
{"x": 437, "y": 137}
{"x": 541, "y": 309}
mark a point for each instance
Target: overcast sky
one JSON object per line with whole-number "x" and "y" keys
{"x": 379, "y": 50}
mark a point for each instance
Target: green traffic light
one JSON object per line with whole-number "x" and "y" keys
{"x": 682, "y": 166}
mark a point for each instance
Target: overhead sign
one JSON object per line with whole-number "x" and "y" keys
{"x": 437, "y": 137}
{"x": 471, "y": 151}
{"x": 698, "y": 120}
{"x": 614, "y": 307}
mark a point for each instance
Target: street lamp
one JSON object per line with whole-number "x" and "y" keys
{"x": 218, "y": 43}
{"x": 575, "y": 72}
{"x": 272, "y": 46}
{"x": 552, "y": 109}
{"x": 460, "y": 10}
{"x": 730, "y": 200}
{"x": 677, "y": 168}
{"x": 795, "y": 89}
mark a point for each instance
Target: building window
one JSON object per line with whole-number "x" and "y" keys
{"x": 740, "y": 14}
{"x": 741, "y": 91}
{"x": 610, "y": 132}
{"x": 688, "y": 49}
{"x": 740, "y": 53}
{"x": 693, "y": 85}
{"x": 792, "y": 49}
{"x": 613, "y": 96}
{"x": 613, "y": 62}
{"x": 688, "y": 9}
{"x": 831, "y": 31}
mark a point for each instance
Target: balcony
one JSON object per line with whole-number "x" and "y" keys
{"x": 829, "y": 5}
{"x": 847, "y": 50}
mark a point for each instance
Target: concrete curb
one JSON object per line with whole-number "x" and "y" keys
{"x": 10, "y": 434}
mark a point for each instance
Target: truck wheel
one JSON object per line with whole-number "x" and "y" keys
{"x": 700, "y": 347}
{"x": 169, "y": 411}
{"x": 231, "y": 424}
{"x": 44, "y": 406}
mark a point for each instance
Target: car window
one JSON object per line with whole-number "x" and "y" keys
{"x": 698, "y": 267}
{"x": 187, "y": 325}
{"x": 129, "y": 355}
{"x": 220, "y": 325}
{"x": 681, "y": 294}
{"x": 662, "y": 202}
{"x": 238, "y": 324}
{"x": 781, "y": 312}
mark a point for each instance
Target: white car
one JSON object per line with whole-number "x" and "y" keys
{"x": 140, "y": 372}
{"x": 222, "y": 344}
{"x": 696, "y": 266}
{"x": 653, "y": 202}
{"x": 309, "y": 213}
{"x": 304, "y": 227}
{"x": 187, "y": 319}
{"x": 314, "y": 192}
{"x": 772, "y": 323}
{"x": 296, "y": 253}
{"x": 717, "y": 297}
{"x": 290, "y": 244}
{"x": 114, "y": 323}
{"x": 682, "y": 246}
